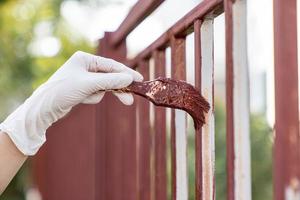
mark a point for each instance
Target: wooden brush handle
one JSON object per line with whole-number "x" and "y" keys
{"x": 139, "y": 88}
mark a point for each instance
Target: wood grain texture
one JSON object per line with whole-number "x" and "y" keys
{"x": 207, "y": 90}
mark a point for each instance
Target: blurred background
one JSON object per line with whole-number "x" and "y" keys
{"x": 38, "y": 36}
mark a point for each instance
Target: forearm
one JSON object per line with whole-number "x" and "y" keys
{"x": 11, "y": 160}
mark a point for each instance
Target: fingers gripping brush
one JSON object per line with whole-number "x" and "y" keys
{"x": 172, "y": 93}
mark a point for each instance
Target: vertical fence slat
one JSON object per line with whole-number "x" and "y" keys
{"x": 229, "y": 101}
{"x": 62, "y": 155}
{"x": 144, "y": 138}
{"x": 116, "y": 142}
{"x": 237, "y": 86}
{"x": 178, "y": 126}
{"x": 241, "y": 103}
{"x": 101, "y": 112}
{"x": 160, "y": 134}
{"x": 207, "y": 90}
{"x": 287, "y": 137}
{"x": 39, "y": 163}
{"x": 198, "y": 136}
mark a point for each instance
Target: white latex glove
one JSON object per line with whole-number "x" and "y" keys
{"x": 79, "y": 80}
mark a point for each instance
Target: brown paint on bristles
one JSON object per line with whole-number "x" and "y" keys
{"x": 172, "y": 93}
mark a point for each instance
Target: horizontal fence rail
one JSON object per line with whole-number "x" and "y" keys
{"x": 137, "y": 14}
{"x": 130, "y": 148}
{"x": 181, "y": 28}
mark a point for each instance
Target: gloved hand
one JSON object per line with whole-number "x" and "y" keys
{"x": 79, "y": 80}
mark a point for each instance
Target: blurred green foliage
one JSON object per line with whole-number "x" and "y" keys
{"x": 20, "y": 70}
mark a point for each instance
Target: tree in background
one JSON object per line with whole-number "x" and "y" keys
{"x": 27, "y": 29}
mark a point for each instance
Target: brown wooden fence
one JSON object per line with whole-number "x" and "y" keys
{"x": 112, "y": 152}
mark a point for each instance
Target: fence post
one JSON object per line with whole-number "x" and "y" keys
{"x": 178, "y": 126}
{"x": 287, "y": 138}
{"x": 144, "y": 139}
{"x": 116, "y": 139}
{"x": 198, "y": 133}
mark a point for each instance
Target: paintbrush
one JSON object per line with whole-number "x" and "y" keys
{"x": 172, "y": 93}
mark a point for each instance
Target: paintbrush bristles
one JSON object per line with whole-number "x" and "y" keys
{"x": 172, "y": 93}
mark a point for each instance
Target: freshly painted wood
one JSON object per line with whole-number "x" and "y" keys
{"x": 229, "y": 101}
{"x": 178, "y": 126}
{"x": 160, "y": 179}
{"x": 38, "y": 166}
{"x": 287, "y": 137}
{"x": 62, "y": 152}
{"x": 238, "y": 95}
{"x": 198, "y": 133}
{"x": 116, "y": 165}
{"x": 144, "y": 139}
{"x": 207, "y": 90}
{"x": 207, "y": 7}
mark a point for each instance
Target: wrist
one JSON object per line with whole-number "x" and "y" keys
{"x": 26, "y": 128}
